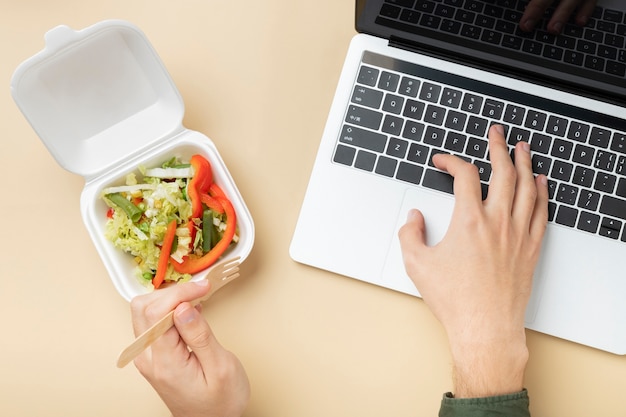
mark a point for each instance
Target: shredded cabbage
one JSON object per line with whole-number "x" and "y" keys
{"x": 161, "y": 201}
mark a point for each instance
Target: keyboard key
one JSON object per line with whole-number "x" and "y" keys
{"x": 344, "y": 155}
{"x": 557, "y": 126}
{"x": 535, "y": 120}
{"x": 409, "y": 87}
{"x": 413, "y": 109}
{"x": 562, "y": 149}
{"x": 388, "y": 81}
{"x": 541, "y": 164}
{"x": 484, "y": 170}
{"x": 532, "y": 47}
{"x": 455, "y": 142}
{"x": 397, "y": 147}
{"x": 614, "y": 207}
{"x": 477, "y": 126}
{"x": 567, "y": 194}
{"x": 392, "y": 125}
{"x": 393, "y": 103}
{"x": 578, "y": 131}
{"x": 588, "y": 222}
{"x": 434, "y": 136}
{"x": 605, "y": 182}
{"x": 456, "y": 120}
{"x": 583, "y": 176}
{"x": 589, "y": 200}
{"x": 418, "y": 153}
{"x": 367, "y": 97}
{"x": 600, "y": 137}
{"x": 540, "y": 143}
{"x": 620, "y": 169}
{"x": 514, "y": 114}
{"x": 430, "y": 92}
{"x": 386, "y": 166}
{"x": 409, "y": 172}
{"x": 363, "y": 138}
{"x": 365, "y": 160}
{"x": 562, "y": 170}
{"x": 471, "y": 31}
{"x": 566, "y": 216}
{"x": 364, "y": 117}
{"x": 368, "y": 76}
{"x": 583, "y": 155}
{"x": 493, "y": 109}
{"x": 438, "y": 181}
{"x": 621, "y": 188}
{"x": 476, "y": 147}
{"x": 605, "y": 160}
{"x": 618, "y": 143}
{"x": 472, "y": 103}
{"x": 451, "y": 98}
{"x": 410, "y": 16}
{"x": 610, "y": 228}
{"x": 434, "y": 115}
{"x": 390, "y": 11}
{"x": 518, "y": 135}
{"x": 413, "y": 130}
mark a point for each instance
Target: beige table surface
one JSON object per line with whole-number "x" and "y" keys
{"x": 257, "y": 77}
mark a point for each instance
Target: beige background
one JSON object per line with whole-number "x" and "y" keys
{"x": 257, "y": 77}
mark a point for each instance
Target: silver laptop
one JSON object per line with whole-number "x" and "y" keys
{"x": 429, "y": 76}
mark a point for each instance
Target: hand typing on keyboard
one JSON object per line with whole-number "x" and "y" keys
{"x": 535, "y": 10}
{"x": 477, "y": 280}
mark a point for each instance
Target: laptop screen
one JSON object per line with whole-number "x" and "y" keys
{"x": 588, "y": 60}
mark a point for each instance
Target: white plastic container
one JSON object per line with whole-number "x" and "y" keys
{"x": 103, "y": 103}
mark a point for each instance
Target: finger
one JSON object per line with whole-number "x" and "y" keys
{"x": 533, "y": 14}
{"x": 585, "y": 11}
{"x": 502, "y": 185}
{"x": 148, "y": 309}
{"x": 467, "y": 190}
{"x": 525, "y": 188}
{"x": 562, "y": 15}
{"x": 539, "y": 218}
{"x": 196, "y": 334}
{"x": 412, "y": 236}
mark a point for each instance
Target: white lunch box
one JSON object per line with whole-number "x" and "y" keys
{"x": 103, "y": 103}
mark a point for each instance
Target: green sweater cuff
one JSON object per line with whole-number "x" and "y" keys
{"x": 510, "y": 405}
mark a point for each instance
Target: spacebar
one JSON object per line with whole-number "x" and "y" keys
{"x": 438, "y": 181}
{"x": 613, "y": 207}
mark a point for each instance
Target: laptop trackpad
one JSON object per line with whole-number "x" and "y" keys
{"x": 437, "y": 209}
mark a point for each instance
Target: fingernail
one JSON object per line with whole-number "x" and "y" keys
{"x": 187, "y": 314}
{"x": 558, "y": 27}
{"x": 499, "y": 129}
{"x": 543, "y": 179}
{"x": 525, "y": 146}
{"x": 412, "y": 214}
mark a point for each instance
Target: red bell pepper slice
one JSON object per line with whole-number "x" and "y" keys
{"x": 164, "y": 256}
{"x": 199, "y": 184}
{"x": 212, "y": 203}
{"x": 192, "y": 264}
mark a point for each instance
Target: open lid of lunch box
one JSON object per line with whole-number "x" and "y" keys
{"x": 97, "y": 96}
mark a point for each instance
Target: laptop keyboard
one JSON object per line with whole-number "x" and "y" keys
{"x": 598, "y": 47}
{"x": 401, "y": 114}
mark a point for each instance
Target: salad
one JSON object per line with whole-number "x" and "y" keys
{"x": 174, "y": 220}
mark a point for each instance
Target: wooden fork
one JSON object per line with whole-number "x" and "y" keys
{"x": 220, "y": 275}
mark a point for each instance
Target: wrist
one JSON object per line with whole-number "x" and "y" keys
{"x": 489, "y": 367}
